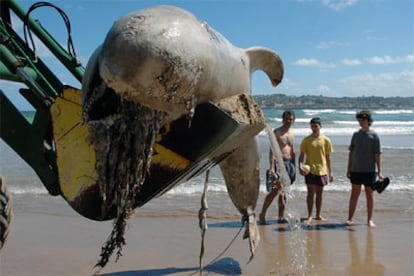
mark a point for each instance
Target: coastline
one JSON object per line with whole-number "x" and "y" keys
{"x": 325, "y": 102}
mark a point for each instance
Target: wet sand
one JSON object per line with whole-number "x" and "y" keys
{"x": 45, "y": 242}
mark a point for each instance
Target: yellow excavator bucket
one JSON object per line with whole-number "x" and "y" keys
{"x": 75, "y": 156}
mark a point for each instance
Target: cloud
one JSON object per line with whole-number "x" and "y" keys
{"x": 370, "y": 30}
{"x": 321, "y": 89}
{"x": 311, "y": 62}
{"x": 380, "y": 60}
{"x": 326, "y": 44}
{"x": 374, "y": 38}
{"x": 330, "y": 44}
{"x": 287, "y": 84}
{"x": 351, "y": 62}
{"x": 383, "y": 84}
{"x": 371, "y": 34}
{"x": 390, "y": 60}
{"x": 295, "y": 90}
{"x": 324, "y": 89}
{"x": 337, "y": 5}
{"x": 307, "y": 62}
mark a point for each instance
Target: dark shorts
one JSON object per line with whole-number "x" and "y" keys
{"x": 290, "y": 169}
{"x": 363, "y": 178}
{"x": 320, "y": 180}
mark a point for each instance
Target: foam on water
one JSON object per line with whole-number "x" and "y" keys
{"x": 396, "y": 111}
{"x": 18, "y": 190}
{"x": 348, "y": 131}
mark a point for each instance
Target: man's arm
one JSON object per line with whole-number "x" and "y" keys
{"x": 348, "y": 168}
{"x": 379, "y": 165}
{"x": 328, "y": 163}
{"x": 293, "y": 153}
{"x": 300, "y": 161}
{"x": 271, "y": 160}
{"x": 271, "y": 154}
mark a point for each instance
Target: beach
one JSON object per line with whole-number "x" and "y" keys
{"x": 57, "y": 241}
{"x": 163, "y": 237}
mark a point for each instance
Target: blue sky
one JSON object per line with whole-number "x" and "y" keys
{"x": 329, "y": 47}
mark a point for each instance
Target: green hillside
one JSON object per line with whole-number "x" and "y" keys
{"x": 317, "y": 102}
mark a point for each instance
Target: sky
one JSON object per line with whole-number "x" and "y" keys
{"x": 335, "y": 48}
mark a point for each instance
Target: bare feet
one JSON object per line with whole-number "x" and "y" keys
{"x": 282, "y": 220}
{"x": 371, "y": 224}
{"x": 262, "y": 219}
{"x": 349, "y": 222}
{"x": 321, "y": 218}
{"x": 309, "y": 221}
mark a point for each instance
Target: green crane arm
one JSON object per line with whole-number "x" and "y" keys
{"x": 32, "y": 141}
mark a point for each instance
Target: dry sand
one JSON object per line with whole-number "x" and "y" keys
{"x": 43, "y": 243}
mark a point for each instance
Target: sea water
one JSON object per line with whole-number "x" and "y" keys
{"x": 395, "y": 128}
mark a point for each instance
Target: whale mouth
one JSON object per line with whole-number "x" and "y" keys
{"x": 123, "y": 134}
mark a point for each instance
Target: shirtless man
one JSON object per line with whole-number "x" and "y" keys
{"x": 286, "y": 139}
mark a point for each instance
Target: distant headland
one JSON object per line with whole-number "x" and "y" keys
{"x": 318, "y": 102}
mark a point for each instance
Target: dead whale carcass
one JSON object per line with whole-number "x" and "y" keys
{"x": 166, "y": 97}
{"x": 165, "y": 58}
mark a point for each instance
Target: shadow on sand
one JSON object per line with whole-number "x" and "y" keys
{"x": 284, "y": 227}
{"x": 224, "y": 266}
{"x": 320, "y": 226}
{"x": 227, "y": 224}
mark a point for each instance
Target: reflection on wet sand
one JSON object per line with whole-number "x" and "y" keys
{"x": 279, "y": 256}
{"x": 285, "y": 250}
{"x": 316, "y": 248}
{"x": 359, "y": 266}
{"x": 302, "y": 249}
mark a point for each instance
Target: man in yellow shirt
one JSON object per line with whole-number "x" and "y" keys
{"x": 317, "y": 148}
